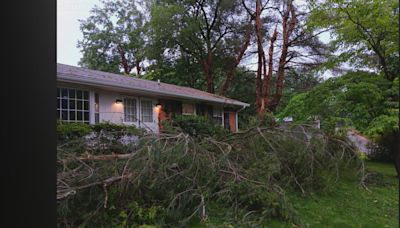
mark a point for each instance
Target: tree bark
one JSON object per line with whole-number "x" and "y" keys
{"x": 138, "y": 68}
{"x": 267, "y": 78}
{"x": 231, "y": 71}
{"x": 124, "y": 61}
{"x": 287, "y": 29}
{"x": 261, "y": 60}
{"x": 207, "y": 65}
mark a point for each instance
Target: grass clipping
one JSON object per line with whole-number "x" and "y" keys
{"x": 171, "y": 179}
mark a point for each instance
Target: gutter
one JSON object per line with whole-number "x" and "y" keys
{"x": 80, "y": 79}
{"x": 243, "y": 107}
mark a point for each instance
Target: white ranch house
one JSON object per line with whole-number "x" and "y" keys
{"x": 91, "y": 96}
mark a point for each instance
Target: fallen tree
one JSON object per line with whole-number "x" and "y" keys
{"x": 172, "y": 179}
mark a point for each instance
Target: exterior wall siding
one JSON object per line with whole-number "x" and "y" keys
{"x": 110, "y": 111}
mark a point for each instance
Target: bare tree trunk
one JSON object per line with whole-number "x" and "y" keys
{"x": 207, "y": 65}
{"x": 287, "y": 29}
{"x": 231, "y": 71}
{"x": 260, "y": 105}
{"x": 124, "y": 61}
{"x": 138, "y": 68}
{"x": 267, "y": 79}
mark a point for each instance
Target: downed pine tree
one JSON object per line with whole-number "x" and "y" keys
{"x": 174, "y": 179}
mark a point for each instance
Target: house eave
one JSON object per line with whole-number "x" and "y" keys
{"x": 79, "y": 80}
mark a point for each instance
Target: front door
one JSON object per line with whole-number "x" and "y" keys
{"x": 226, "y": 120}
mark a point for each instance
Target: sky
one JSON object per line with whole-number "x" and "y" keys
{"x": 68, "y": 33}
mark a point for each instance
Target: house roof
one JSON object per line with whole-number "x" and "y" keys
{"x": 86, "y": 76}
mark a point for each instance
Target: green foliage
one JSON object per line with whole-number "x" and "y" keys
{"x": 175, "y": 177}
{"x": 117, "y": 128}
{"x": 197, "y": 126}
{"x": 365, "y": 32}
{"x": 296, "y": 108}
{"x": 113, "y": 29}
{"x": 361, "y": 100}
{"x": 67, "y": 131}
{"x": 386, "y": 148}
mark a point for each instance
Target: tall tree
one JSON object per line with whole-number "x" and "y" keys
{"x": 366, "y": 32}
{"x": 114, "y": 37}
{"x": 206, "y": 30}
{"x": 282, "y": 26}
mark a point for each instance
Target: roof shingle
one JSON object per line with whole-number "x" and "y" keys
{"x": 83, "y": 75}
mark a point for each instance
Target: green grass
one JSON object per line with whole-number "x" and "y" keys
{"x": 348, "y": 205}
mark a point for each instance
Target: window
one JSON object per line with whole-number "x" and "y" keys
{"x": 73, "y": 105}
{"x": 130, "y": 113}
{"x": 147, "y": 111}
{"x": 217, "y": 115}
{"x": 96, "y": 109}
{"x": 187, "y": 109}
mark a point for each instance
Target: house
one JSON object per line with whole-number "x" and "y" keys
{"x": 91, "y": 96}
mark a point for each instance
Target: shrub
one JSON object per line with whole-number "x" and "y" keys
{"x": 67, "y": 131}
{"x": 117, "y": 128}
{"x": 197, "y": 126}
{"x": 386, "y": 147}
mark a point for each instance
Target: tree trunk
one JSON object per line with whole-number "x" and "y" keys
{"x": 138, "y": 68}
{"x": 207, "y": 64}
{"x": 267, "y": 78}
{"x": 287, "y": 29}
{"x": 231, "y": 71}
{"x": 260, "y": 104}
{"x": 124, "y": 61}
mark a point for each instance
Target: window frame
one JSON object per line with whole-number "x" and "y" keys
{"x": 137, "y": 109}
{"x": 221, "y": 116}
{"x": 151, "y": 110}
{"x": 83, "y": 110}
{"x": 186, "y": 113}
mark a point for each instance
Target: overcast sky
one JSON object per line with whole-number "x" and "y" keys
{"x": 68, "y": 33}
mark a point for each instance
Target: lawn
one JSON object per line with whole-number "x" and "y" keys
{"x": 349, "y": 205}
{"x": 352, "y": 206}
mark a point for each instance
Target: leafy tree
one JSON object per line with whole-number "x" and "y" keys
{"x": 207, "y": 31}
{"x": 356, "y": 98}
{"x": 365, "y": 32}
{"x": 114, "y": 37}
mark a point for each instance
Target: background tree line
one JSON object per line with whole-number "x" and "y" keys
{"x": 265, "y": 50}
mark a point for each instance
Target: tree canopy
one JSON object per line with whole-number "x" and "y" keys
{"x": 364, "y": 32}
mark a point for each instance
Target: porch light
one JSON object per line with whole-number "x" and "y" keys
{"x": 158, "y": 105}
{"x": 118, "y": 101}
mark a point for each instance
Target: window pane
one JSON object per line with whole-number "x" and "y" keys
{"x": 71, "y": 104}
{"x": 64, "y": 115}
{"x": 130, "y": 110}
{"x": 64, "y": 103}
{"x": 71, "y": 93}
{"x": 79, "y": 116}
{"x": 72, "y": 115}
{"x": 187, "y": 108}
{"x": 147, "y": 111}
{"x": 86, "y": 95}
{"x": 69, "y": 108}
{"x": 86, "y": 115}
{"x": 86, "y": 105}
{"x": 64, "y": 93}
{"x": 79, "y": 94}
{"x": 79, "y": 104}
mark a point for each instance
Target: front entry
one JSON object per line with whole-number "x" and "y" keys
{"x": 230, "y": 121}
